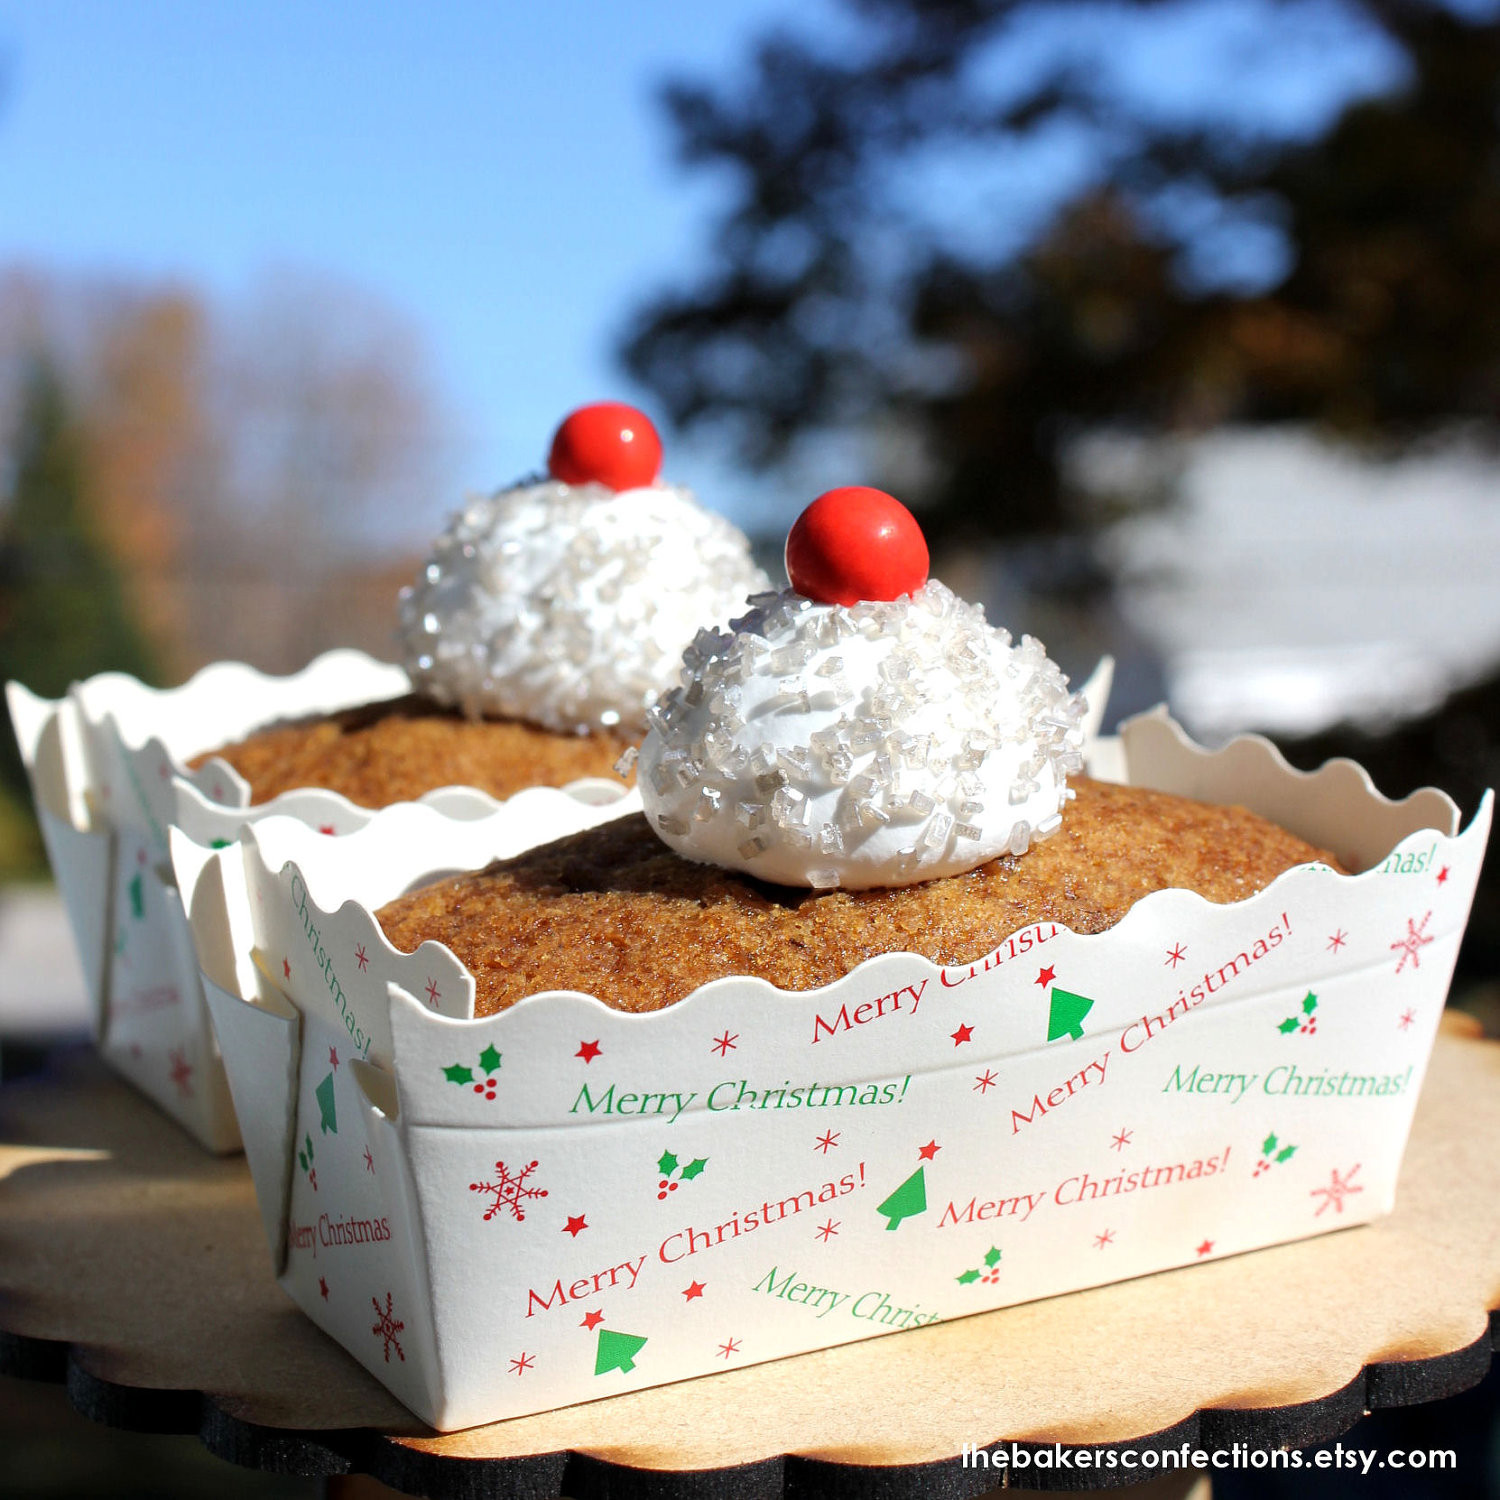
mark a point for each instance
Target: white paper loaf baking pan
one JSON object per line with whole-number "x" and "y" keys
{"x": 108, "y": 770}
{"x": 563, "y": 1201}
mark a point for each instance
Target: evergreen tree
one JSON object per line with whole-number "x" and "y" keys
{"x": 63, "y": 615}
{"x": 833, "y": 305}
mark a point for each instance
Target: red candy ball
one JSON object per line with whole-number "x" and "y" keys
{"x": 856, "y": 543}
{"x": 606, "y": 443}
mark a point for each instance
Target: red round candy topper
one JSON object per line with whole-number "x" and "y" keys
{"x": 856, "y": 543}
{"x": 606, "y": 443}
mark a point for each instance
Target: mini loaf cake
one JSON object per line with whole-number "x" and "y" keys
{"x": 546, "y": 620}
{"x": 859, "y": 766}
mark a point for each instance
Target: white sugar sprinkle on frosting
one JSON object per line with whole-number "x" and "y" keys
{"x": 569, "y": 606}
{"x": 868, "y": 745}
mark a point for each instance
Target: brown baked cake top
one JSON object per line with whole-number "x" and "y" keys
{"x": 395, "y": 751}
{"x": 615, "y": 913}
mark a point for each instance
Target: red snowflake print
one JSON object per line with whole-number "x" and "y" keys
{"x": 181, "y": 1072}
{"x": 827, "y": 1231}
{"x": 985, "y": 1081}
{"x": 286, "y": 968}
{"x": 387, "y": 1328}
{"x": 510, "y": 1192}
{"x": 1206, "y": 1248}
{"x": 164, "y": 771}
{"x": 694, "y": 1289}
{"x": 1121, "y": 1141}
{"x": 576, "y": 1223}
{"x": 732, "y": 1347}
{"x": 1411, "y": 945}
{"x": 434, "y": 994}
{"x": 369, "y": 1160}
{"x": 965, "y": 1033}
{"x": 323, "y": 1291}
{"x": 1176, "y": 954}
{"x": 828, "y": 1141}
{"x": 361, "y": 957}
{"x": 1045, "y": 977}
{"x": 1337, "y": 1189}
{"x": 1101, "y": 1240}
{"x": 523, "y": 1364}
{"x": 333, "y": 1058}
{"x": 1337, "y": 940}
{"x": 1407, "y": 1017}
{"x": 725, "y": 1044}
{"x": 592, "y": 1320}
{"x": 588, "y": 1051}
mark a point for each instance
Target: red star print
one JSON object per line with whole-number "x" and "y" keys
{"x": 181, "y": 1072}
{"x": 723, "y": 1045}
{"x": 588, "y": 1051}
{"x": 576, "y": 1225}
{"x": 1206, "y": 1248}
{"x": 694, "y": 1289}
{"x": 1121, "y": 1141}
{"x": 732, "y": 1347}
{"x": 1442, "y": 876}
{"x": 1045, "y": 976}
{"x": 827, "y": 1142}
{"x": 1338, "y": 940}
{"x": 829, "y": 1229}
{"x": 1101, "y": 1240}
{"x": 524, "y": 1363}
{"x": 965, "y": 1033}
{"x": 286, "y": 968}
{"x": 592, "y": 1320}
{"x": 434, "y": 994}
{"x": 929, "y": 1151}
{"x": 985, "y": 1082}
{"x": 325, "y": 828}
{"x": 369, "y": 1160}
{"x": 323, "y": 1288}
{"x": 1407, "y": 1017}
{"x": 333, "y": 1058}
{"x": 1176, "y": 954}
{"x": 360, "y": 958}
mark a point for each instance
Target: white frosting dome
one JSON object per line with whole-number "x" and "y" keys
{"x": 875, "y": 744}
{"x": 570, "y": 605}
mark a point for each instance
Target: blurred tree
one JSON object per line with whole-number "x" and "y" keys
{"x": 62, "y": 609}
{"x": 255, "y": 467}
{"x": 1371, "y": 301}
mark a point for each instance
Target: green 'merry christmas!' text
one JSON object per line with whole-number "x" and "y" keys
{"x": 737, "y": 1093}
{"x": 874, "y": 1307}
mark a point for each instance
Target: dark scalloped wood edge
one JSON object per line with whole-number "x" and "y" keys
{"x": 546, "y": 1476}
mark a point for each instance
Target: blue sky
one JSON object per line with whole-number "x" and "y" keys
{"x": 497, "y": 170}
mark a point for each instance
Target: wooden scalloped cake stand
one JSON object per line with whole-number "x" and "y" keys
{"x": 134, "y": 1266}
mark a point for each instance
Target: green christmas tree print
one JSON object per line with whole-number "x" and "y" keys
{"x": 617, "y": 1351}
{"x": 907, "y": 1201}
